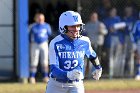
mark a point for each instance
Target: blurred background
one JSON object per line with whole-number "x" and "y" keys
{"x": 17, "y": 15}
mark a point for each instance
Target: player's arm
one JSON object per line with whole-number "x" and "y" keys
{"x": 30, "y": 35}
{"x": 133, "y": 36}
{"x": 95, "y": 61}
{"x": 134, "y": 32}
{"x": 49, "y": 30}
{"x": 57, "y": 72}
{"x": 98, "y": 69}
{"x": 91, "y": 54}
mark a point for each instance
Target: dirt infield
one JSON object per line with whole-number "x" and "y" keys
{"x": 114, "y": 91}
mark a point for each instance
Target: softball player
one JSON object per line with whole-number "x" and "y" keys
{"x": 66, "y": 54}
{"x": 39, "y": 34}
{"x": 136, "y": 46}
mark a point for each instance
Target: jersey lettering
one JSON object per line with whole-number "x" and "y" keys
{"x": 43, "y": 34}
{"x": 77, "y": 54}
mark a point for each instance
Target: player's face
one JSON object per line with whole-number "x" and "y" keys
{"x": 113, "y": 12}
{"x": 73, "y": 31}
{"x": 41, "y": 18}
{"x": 94, "y": 17}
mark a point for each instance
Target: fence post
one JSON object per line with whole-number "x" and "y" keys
{"x": 23, "y": 44}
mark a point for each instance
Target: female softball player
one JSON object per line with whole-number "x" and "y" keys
{"x": 66, "y": 54}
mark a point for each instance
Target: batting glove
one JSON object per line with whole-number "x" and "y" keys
{"x": 97, "y": 73}
{"x": 74, "y": 75}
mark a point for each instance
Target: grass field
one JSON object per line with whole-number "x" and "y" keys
{"x": 89, "y": 85}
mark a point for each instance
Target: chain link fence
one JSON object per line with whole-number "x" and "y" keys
{"x": 86, "y": 7}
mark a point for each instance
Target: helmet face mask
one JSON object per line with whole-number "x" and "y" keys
{"x": 69, "y": 18}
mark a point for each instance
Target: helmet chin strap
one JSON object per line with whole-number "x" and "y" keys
{"x": 78, "y": 34}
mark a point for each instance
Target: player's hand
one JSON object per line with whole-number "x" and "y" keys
{"x": 97, "y": 73}
{"x": 75, "y": 75}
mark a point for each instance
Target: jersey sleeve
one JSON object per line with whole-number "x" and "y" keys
{"x": 31, "y": 36}
{"x": 90, "y": 53}
{"x": 52, "y": 54}
{"x": 135, "y": 31}
{"x": 56, "y": 72}
{"x": 49, "y": 30}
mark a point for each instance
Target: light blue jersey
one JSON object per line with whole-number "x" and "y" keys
{"x": 66, "y": 54}
{"x": 40, "y": 32}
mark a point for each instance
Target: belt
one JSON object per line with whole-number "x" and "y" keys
{"x": 66, "y": 81}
